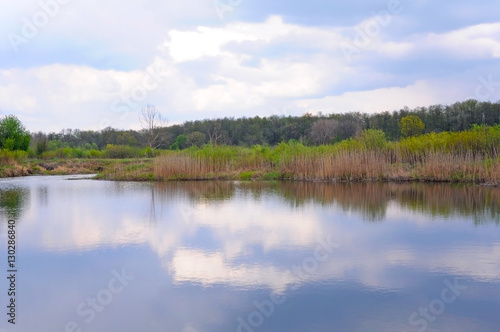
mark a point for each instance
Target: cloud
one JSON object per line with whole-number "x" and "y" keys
{"x": 236, "y": 68}
{"x": 475, "y": 42}
{"x": 209, "y": 269}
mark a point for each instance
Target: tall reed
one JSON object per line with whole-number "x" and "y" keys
{"x": 469, "y": 156}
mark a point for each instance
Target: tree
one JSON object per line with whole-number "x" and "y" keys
{"x": 40, "y": 142}
{"x": 179, "y": 143}
{"x": 323, "y": 131}
{"x": 350, "y": 125}
{"x": 373, "y": 139}
{"x": 195, "y": 139}
{"x": 13, "y": 135}
{"x": 126, "y": 138}
{"x": 151, "y": 122}
{"x": 215, "y": 132}
{"x": 411, "y": 125}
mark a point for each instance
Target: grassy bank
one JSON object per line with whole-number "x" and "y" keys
{"x": 109, "y": 169}
{"x": 115, "y": 162}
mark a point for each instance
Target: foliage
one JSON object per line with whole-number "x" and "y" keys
{"x": 111, "y": 152}
{"x": 179, "y": 143}
{"x": 121, "y": 152}
{"x": 411, "y": 125}
{"x": 478, "y": 140}
{"x": 195, "y": 138}
{"x": 8, "y": 157}
{"x": 39, "y": 142}
{"x": 272, "y": 130}
{"x": 13, "y": 135}
{"x": 373, "y": 139}
{"x": 324, "y": 131}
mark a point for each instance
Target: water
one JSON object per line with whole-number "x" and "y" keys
{"x": 237, "y": 256}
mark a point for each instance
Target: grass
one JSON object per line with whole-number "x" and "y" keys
{"x": 106, "y": 169}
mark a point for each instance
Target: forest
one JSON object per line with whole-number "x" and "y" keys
{"x": 307, "y": 129}
{"x": 455, "y": 143}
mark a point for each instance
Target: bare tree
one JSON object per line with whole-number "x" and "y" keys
{"x": 351, "y": 125}
{"x": 151, "y": 122}
{"x": 324, "y": 130}
{"x": 215, "y": 133}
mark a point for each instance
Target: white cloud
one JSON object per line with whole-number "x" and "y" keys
{"x": 210, "y": 269}
{"x": 384, "y": 99}
{"x": 243, "y": 68}
{"x": 475, "y": 42}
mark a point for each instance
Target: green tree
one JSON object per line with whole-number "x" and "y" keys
{"x": 179, "y": 143}
{"x": 195, "y": 139}
{"x": 13, "y": 135}
{"x": 411, "y": 125}
{"x": 373, "y": 139}
{"x": 39, "y": 142}
{"x": 125, "y": 138}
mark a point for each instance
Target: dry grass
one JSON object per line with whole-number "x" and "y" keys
{"x": 124, "y": 169}
{"x": 340, "y": 165}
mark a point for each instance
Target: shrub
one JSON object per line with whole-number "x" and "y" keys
{"x": 411, "y": 125}
{"x": 13, "y": 135}
{"x": 373, "y": 139}
{"x": 120, "y": 152}
{"x": 10, "y": 157}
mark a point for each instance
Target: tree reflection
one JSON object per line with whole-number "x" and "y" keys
{"x": 371, "y": 200}
{"x": 12, "y": 202}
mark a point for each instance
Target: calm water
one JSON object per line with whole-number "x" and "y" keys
{"x": 235, "y": 256}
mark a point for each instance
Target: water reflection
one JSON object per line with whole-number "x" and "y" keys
{"x": 370, "y": 199}
{"x": 351, "y": 257}
{"x": 12, "y": 201}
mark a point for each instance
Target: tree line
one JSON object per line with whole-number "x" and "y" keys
{"x": 308, "y": 129}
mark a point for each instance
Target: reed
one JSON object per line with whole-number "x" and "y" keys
{"x": 469, "y": 156}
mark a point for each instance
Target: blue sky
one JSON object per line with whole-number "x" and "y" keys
{"x": 89, "y": 64}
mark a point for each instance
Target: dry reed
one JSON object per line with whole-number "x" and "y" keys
{"x": 337, "y": 165}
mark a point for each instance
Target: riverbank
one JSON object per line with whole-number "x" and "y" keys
{"x": 341, "y": 167}
{"x": 108, "y": 169}
{"x": 471, "y": 156}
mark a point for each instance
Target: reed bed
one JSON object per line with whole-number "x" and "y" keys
{"x": 331, "y": 164}
{"x": 468, "y": 156}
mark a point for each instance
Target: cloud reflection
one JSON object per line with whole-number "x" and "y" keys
{"x": 250, "y": 234}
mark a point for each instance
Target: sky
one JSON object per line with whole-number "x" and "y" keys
{"x": 93, "y": 64}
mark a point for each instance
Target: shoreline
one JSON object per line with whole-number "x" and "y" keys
{"x": 145, "y": 170}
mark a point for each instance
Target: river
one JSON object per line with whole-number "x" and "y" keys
{"x": 250, "y": 256}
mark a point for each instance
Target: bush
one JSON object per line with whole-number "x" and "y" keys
{"x": 94, "y": 154}
{"x": 121, "y": 152}
{"x": 13, "y": 135}
{"x": 373, "y": 139}
{"x": 10, "y": 157}
{"x": 411, "y": 125}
